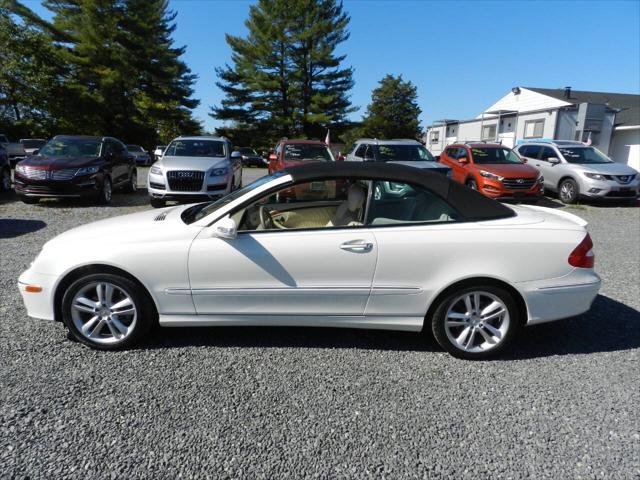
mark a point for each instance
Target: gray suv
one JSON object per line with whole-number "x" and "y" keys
{"x": 575, "y": 170}
{"x": 402, "y": 151}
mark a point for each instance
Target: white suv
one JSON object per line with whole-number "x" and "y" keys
{"x": 195, "y": 167}
{"x": 575, "y": 170}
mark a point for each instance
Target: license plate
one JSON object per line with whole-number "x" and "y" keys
{"x": 317, "y": 186}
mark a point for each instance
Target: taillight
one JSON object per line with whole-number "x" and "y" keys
{"x": 582, "y": 256}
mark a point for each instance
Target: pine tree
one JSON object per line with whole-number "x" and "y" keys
{"x": 394, "y": 110}
{"x": 286, "y": 79}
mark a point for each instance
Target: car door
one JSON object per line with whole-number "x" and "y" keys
{"x": 124, "y": 161}
{"x": 552, "y": 171}
{"x": 309, "y": 267}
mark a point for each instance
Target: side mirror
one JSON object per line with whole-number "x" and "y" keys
{"x": 273, "y": 157}
{"x": 553, "y": 160}
{"x": 35, "y": 152}
{"x": 236, "y": 155}
{"x": 463, "y": 160}
{"x": 225, "y": 228}
{"x": 340, "y": 157}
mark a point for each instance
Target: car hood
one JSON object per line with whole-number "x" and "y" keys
{"x": 191, "y": 163}
{"x": 609, "y": 169}
{"x": 146, "y": 226}
{"x": 420, "y": 164}
{"x": 52, "y": 163}
{"x": 516, "y": 170}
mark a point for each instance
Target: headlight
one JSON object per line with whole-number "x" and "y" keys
{"x": 490, "y": 175}
{"x": 20, "y": 168}
{"x": 540, "y": 179}
{"x": 87, "y": 171}
{"x": 155, "y": 170}
{"x": 218, "y": 171}
{"x": 595, "y": 176}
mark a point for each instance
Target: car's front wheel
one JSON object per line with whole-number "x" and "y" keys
{"x": 106, "y": 192}
{"x": 472, "y": 184}
{"x": 5, "y": 180}
{"x": 132, "y": 184}
{"x": 107, "y": 311}
{"x": 476, "y": 322}
{"x": 569, "y": 191}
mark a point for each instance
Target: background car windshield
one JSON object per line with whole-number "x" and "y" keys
{"x": 404, "y": 153}
{"x": 32, "y": 143}
{"x": 303, "y": 152}
{"x": 494, "y": 155}
{"x": 247, "y": 151}
{"x": 587, "y": 155}
{"x": 71, "y": 147}
{"x": 201, "y": 210}
{"x": 195, "y": 148}
{"x": 135, "y": 148}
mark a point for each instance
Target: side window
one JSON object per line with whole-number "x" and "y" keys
{"x": 107, "y": 147}
{"x": 401, "y": 203}
{"x": 118, "y": 147}
{"x": 533, "y": 151}
{"x": 523, "y": 151}
{"x": 278, "y": 149}
{"x": 322, "y": 204}
{"x": 360, "y": 150}
{"x": 452, "y": 152}
{"x": 547, "y": 152}
{"x": 462, "y": 153}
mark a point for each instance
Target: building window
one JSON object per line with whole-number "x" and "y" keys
{"x": 533, "y": 128}
{"x": 488, "y": 132}
{"x": 435, "y": 136}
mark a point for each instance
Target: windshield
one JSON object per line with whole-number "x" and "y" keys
{"x": 584, "y": 155}
{"x": 411, "y": 153}
{"x": 135, "y": 148}
{"x": 195, "y": 148}
{"x": 71, "y": 147}
{"x": 300, "y": 152}
{"x": 247, "y": 151}
{"x": 494, "y": 155}
{"x": 201, "y": 210}
{"x": 32, "y": 143}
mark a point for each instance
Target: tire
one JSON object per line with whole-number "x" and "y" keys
{"x": 5, "y": 180}
{"x": 485, "y": 337}
{"x": 95, "y": 324}
{"x": 158, "y": 202}
{"x": 29, "y": 200}
{"x": 472, "y": 184}
{"x": 568, "y": 191}
{"x": 106, "y": 192}
{"x": 132, "y": 184}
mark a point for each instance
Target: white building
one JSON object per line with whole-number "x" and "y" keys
{"x": 612, "y": 120}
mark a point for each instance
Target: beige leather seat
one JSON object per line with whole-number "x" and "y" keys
{"x": 348, "y": 213}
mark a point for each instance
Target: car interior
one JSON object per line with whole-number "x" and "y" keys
{"x": 344, "y": 203}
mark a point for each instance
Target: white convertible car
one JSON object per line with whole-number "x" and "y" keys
{"x": 341, "y": 245}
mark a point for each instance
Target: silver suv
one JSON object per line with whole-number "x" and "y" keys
{"x": 402, "y": 151}
{"x": 574, "y": 170}
{"x": 195, "y": 167}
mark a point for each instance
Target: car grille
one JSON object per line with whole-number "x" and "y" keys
{"x": 185, "y": 180}
{"x": 41, "y": 174}
{"x": 519, "y": 183}
{"x": 624, "y": 179}
{"x": 64, "y": 174}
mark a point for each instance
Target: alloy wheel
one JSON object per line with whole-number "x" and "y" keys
{"x": 477, "y": 321}
{"x": 567, "y": 192}
{"x": 106, "y": 191}
{"x": 134, "y": 182}
{"x": 104, "y": 313}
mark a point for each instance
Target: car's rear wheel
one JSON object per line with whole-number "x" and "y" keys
{"x": 568, "y": 191}
{"x": 472, "y": 184}
{"x": 476, "y": 322}
{"x": 132, "y": 184}
{"x": 158, "y": 202}
{"x": 5, "y": 180}
{"x": 106, "y": 192}
{"x": 107, "y": 311}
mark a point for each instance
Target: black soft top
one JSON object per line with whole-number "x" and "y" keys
{"x": 471, "y": 204}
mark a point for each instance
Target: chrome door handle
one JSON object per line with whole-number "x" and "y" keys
{"x": 357, "y": 246}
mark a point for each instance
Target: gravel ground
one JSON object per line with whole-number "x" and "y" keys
{"x": 298, "y": 403}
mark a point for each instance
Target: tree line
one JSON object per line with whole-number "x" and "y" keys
{"x": 109, "y": 67}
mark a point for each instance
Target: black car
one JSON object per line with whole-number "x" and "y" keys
{"x": 5, "y": 170}
{"x": 140, "y": 154}
{"x": 250, "y": 158}
{"x": 76, "y": 166}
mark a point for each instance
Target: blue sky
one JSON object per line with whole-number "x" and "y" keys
{"x": 461, "y": 55}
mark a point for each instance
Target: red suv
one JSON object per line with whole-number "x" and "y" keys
{"x": 289, "y": 153}
{"x": 494, "y": 170}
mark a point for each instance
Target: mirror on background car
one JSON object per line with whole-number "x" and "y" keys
{"x": 236, "y": 154}
{"x": 272, "y": 157}
{"x": 463, "y": 160}
{"x": 225, "y": 228}
{"x": 553, "y": 160}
